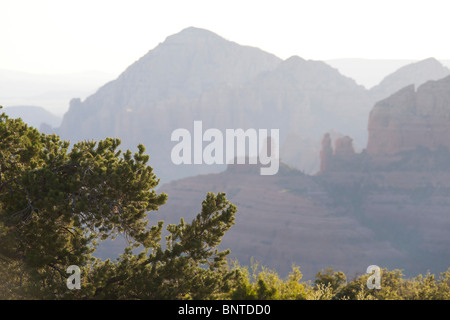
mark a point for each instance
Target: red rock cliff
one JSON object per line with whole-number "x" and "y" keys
{"x": 409, "y": 119}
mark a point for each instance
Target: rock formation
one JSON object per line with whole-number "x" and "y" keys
{"x": 409, "y": 119}
{"x": 326, "y": 153}
{"x": 344, "y": 147}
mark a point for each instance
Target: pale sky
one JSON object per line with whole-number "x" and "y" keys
{"x": 60, "y": 36}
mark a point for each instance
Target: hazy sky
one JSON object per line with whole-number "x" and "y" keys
{"x": 58, "y": 36}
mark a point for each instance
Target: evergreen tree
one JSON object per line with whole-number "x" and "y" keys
{"x": 57, "y": 203}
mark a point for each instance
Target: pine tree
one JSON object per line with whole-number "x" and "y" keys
{"x": 57, "y": 203}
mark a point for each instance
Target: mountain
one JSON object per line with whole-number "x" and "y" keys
{"x": 400, "y": 184}
{"x": 415, "y": 73}
{"x": 181, "y": 68}
{"x": 311, "y": 96}
{"x": 304, "y": 98}
{"x": 387, "y": 205}
{"x": 368, "y": 72}
{"x": 409, "y": 119}
{"x": 53, "y": 91}
{"x": 163, "y": 91}
{"x": 197, "y": 75}
{"x": 314, "y": 98}
{"x": 372, "y": 207}
{"x": 33, "y": 116}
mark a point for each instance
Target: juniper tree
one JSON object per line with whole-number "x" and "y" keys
{"x": 57, "y": 203}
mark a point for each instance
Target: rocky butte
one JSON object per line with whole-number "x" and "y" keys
{"x": 400, "y": 185}
{"x": 409, "y": 119}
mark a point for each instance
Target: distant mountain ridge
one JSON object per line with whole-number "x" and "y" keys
{"x": 370, "y": 72}
{"x": 198, "y": 75}
{"x": 51, "y": 91}
{"x": 33, "y": 116}
{"x": 182, "y": 67}
{"x": 416, "y": 73}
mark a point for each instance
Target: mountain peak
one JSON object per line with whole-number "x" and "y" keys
{"x": 295, "y": 59}
{"x": 198, "y": 31}
{"x": 430, "y": 60}
{"x": 190, "y": 62}
{"x": 193, "y": 34}
{"x": 416, "y": 73}
{"x": 432, "y": 64}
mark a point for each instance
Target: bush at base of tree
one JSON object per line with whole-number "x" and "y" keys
{"x": 265, "y": 284}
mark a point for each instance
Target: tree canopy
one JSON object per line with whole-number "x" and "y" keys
{"x": 57, "y": 203}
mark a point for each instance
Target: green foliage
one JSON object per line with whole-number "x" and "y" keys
{"x": 329, "y": 278}
{"x": 265, "y": 284}
{"x": 395, "y": 287}
{"x": 191, "y": 267}
{"x": 56, "y": 204}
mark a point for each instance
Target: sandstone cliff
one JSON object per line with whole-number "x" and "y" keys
{"x": 409, "y": 119}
